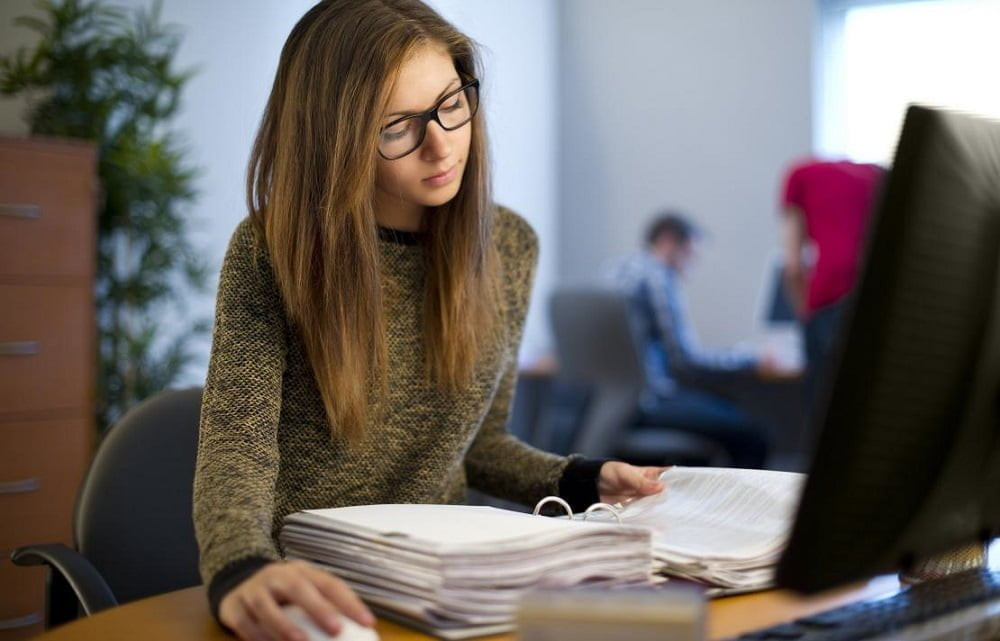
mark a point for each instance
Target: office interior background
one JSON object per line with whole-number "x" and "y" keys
{"x": 601, "y": 113}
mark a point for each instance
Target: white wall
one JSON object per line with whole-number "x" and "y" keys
{"x": 235, "y": 52}
{"x": 694, "y": 104}
{"x": 519, "y": 40}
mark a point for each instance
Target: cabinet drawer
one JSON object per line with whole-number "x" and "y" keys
{"x": 41, "y": 466}
{"x": 47, "y": 197}
{"x": 46, "y": 348}
{"x": 22, "y": 599}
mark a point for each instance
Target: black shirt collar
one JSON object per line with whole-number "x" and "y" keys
{"x": 400, "y": 237}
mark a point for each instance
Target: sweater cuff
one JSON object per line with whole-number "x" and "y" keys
{"x": 229, "y": 577}
{"x": 578, "y": 483}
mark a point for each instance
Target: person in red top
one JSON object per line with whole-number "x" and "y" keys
{"x": 826, "y": 205}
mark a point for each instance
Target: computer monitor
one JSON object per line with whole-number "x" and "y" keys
{"x": 907, "y": 462}
{"x": 779, "y": 304}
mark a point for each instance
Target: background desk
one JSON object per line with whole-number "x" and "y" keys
{"x": 184, "y": 615}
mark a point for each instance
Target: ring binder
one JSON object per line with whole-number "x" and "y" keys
{"x": 459, "y": 571}
{"x": 724, "y": 527}
{"x": 553, "y": 499}
{"x": 603, "y": 506}
{"x": 596, "y": 507}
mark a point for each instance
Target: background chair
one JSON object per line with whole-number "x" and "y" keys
{"x": 132, "y": 524}
{"x": 600, "y": 363}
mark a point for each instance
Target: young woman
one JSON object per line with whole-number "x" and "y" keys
{"x": 369, "y": 314}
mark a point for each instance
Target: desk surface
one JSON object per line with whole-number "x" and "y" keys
{"x": 184, "y": 615}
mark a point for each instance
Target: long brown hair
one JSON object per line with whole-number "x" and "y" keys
{"x": 310, "y": 191}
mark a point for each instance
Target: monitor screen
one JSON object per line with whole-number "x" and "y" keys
{"x": 906, "y": 464}
{"x": 779, "y": 305}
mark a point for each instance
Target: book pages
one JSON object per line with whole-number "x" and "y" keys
{"x": 722, "y": 526}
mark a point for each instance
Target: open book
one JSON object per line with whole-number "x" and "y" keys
{"x": 724, "y": 527}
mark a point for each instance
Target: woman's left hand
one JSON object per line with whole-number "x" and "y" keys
{"x": 620, "y": 482}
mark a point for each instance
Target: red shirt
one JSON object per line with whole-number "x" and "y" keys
{"x": 836, "y": 199}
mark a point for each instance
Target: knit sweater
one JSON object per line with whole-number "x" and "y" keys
{"x": 265, "y": 448}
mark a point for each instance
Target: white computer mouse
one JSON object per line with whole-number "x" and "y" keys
{"x": 350, "y": 630}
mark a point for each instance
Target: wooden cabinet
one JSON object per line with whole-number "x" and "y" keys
{"x": 48, "y": 192}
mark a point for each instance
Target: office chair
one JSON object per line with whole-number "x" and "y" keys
{"x": 596, "y": 348}
{"x": 132, "y": 522}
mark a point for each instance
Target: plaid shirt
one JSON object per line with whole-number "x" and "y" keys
{"x": 663, "y": 328}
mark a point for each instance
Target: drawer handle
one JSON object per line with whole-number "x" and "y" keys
{"x": 20, "y": 211}
{"x": 20, "y": 348}
{"x": 18, "y": 487}
{"x": 20, "y": 622}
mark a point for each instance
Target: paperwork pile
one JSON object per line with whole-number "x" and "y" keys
{"x": 458, "y": 571}
{"x": 723, "y": 527}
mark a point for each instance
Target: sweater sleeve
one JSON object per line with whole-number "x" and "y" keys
{"x": 237, "y": 460}
{"x": 500, "y": 464}
{"x": 497, "y": 462}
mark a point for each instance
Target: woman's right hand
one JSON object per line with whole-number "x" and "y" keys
{"x": 253, "y": 609}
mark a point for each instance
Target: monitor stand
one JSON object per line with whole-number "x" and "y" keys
{"x": 969, "y": 557}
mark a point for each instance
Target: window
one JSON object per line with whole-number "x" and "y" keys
{"x": 877, "y": 56}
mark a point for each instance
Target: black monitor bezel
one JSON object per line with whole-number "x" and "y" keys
{"x": 866, "y": 507}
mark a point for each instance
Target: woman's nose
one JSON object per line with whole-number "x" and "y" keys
{"x": 437, "y": 142}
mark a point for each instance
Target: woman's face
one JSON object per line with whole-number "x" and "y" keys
{"x": 431, "y": 174}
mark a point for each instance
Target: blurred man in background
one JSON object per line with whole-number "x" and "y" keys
{"x": 686, "y": 383}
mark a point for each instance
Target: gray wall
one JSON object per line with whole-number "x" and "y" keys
{"x": 695, "y": 104}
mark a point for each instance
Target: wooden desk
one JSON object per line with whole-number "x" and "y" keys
{"x": 184, "y": 615}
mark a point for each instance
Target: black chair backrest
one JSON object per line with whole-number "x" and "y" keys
{"x": 594, "y": 340}
{"x": 133, "y": 515}
{"x": 595, "y": 346}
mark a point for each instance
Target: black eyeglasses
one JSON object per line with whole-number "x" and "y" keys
{"x": 454, "y": 110}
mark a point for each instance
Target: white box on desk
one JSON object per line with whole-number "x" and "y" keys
{"x": 666, "y": 613}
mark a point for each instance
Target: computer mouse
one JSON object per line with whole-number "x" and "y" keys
{"x": 350, "y": 630}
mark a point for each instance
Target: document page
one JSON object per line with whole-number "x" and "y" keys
{"x": 720, "y": 513}
{"x": 726, "y": 526}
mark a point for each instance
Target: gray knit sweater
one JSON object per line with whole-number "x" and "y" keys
{"x": 265, "y": 448}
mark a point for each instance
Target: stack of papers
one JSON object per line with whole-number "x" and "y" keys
{"x": 724, "y": 527}
{"x": 458, "y": 571}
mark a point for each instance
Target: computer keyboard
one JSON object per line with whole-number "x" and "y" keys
{"x": 965, "y": 606}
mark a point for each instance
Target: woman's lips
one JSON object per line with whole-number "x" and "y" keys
{"x": 443, "y": 178}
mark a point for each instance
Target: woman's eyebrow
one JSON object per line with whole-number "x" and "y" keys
{"x": 451, "y": 85}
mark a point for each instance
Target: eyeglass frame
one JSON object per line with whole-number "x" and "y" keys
{"x": 432, "y": 114}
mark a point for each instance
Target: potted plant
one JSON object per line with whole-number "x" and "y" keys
{"x": 104, "y": 74}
